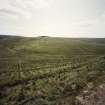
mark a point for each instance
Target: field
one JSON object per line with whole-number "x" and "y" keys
{"x": 48, "y": 70}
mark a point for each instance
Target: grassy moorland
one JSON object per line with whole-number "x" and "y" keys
{"x": 49, "y": 71}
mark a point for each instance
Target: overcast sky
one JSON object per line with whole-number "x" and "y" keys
{"x": 66, "y": 18}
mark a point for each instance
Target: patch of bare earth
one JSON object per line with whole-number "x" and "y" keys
{"x": 92, "y": 97}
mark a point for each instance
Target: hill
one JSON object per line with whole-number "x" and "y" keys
{"x": 48, "y": 70}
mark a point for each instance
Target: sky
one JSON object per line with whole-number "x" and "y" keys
{"x": 58, "y": 18}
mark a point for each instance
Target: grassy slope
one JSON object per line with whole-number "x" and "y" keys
{"x": 44, "y": 70}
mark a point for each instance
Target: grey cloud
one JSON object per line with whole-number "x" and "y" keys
{"x": 13, "y": 9}
{"x": 22, "y": 8}
{"x": 5, "y": 11}
{"x": 8, "y": 13}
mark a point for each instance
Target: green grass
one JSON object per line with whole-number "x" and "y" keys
{"x": 48, "y": 71}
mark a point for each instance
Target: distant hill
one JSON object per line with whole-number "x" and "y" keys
{"x": 51, "y": 45}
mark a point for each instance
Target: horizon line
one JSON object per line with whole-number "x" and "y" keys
{"x": 20, "y": 35}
